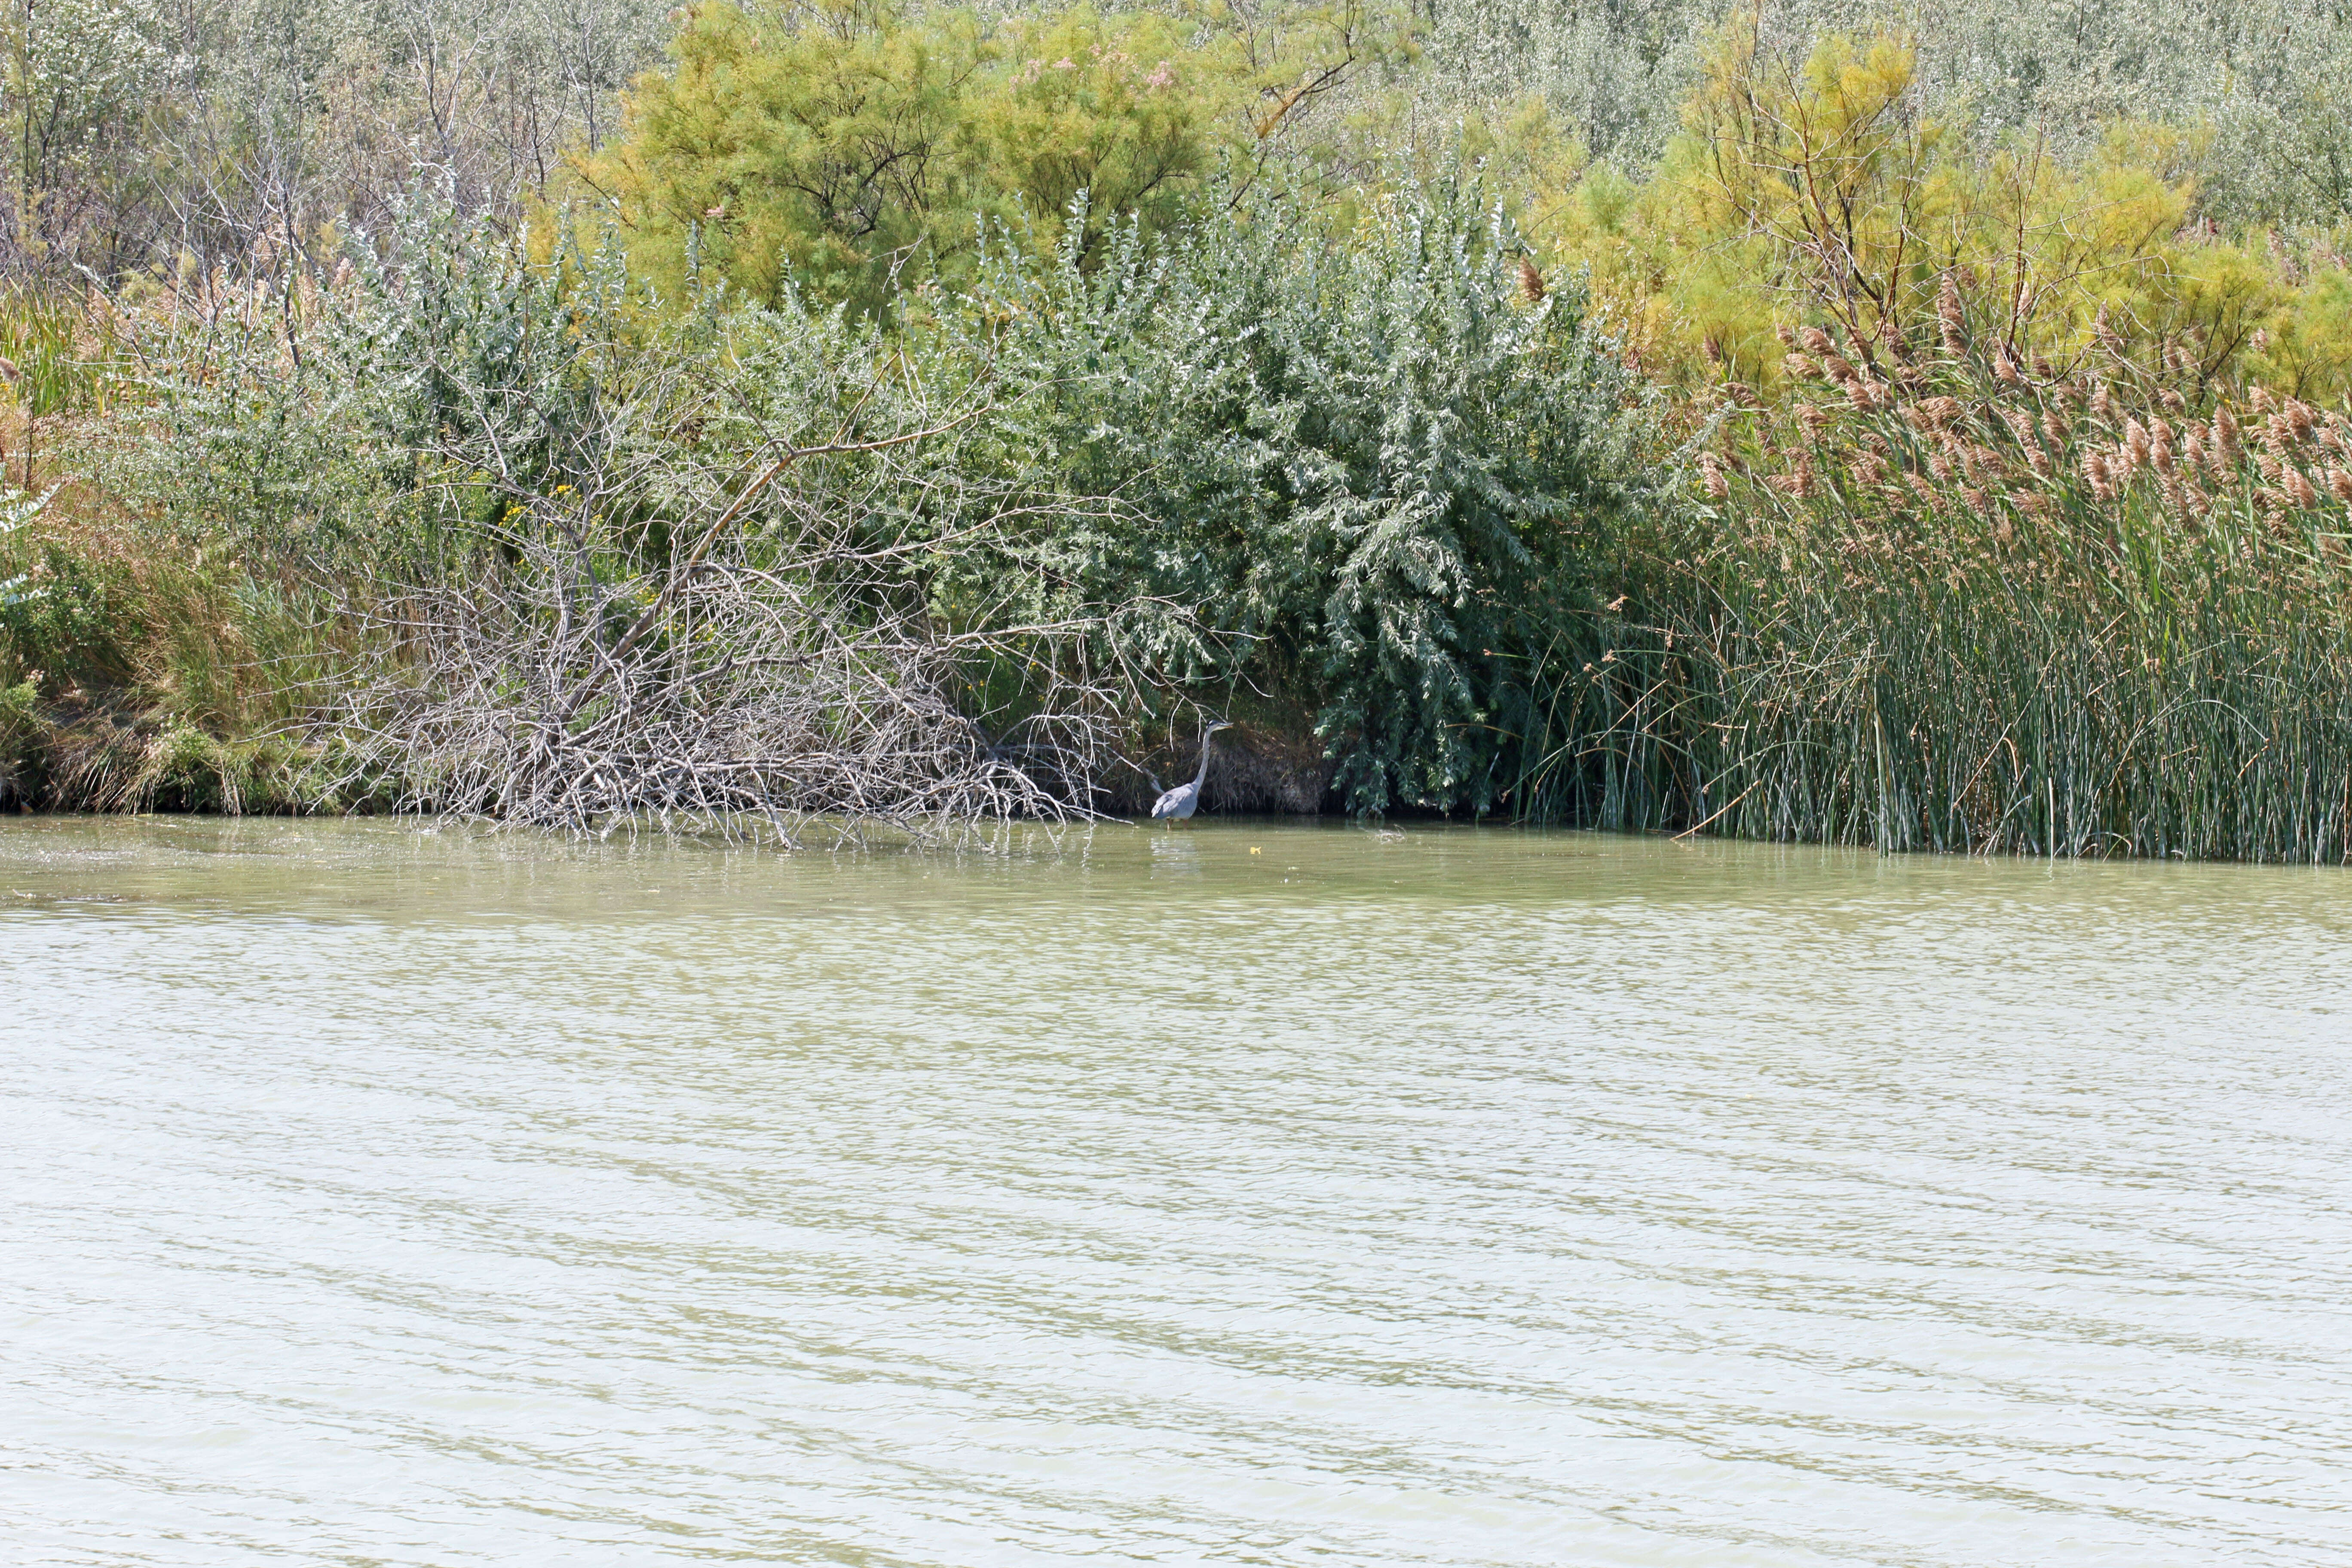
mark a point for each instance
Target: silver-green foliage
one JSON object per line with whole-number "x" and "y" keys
{"x": 1353, "y": 477}
{"x": 593, "y": 559}
{"x": 1374, "y": 468}
{"x": 17, "y": 510}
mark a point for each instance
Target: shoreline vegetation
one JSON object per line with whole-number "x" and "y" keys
{"x": 1813, "y": 422}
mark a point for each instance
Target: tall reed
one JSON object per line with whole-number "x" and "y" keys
{"x": 1960, "y": 603}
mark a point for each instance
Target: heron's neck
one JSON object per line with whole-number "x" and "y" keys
{"x": 1202, "y": 777}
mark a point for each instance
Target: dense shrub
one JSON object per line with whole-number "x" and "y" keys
{"x": 1376, "y": 467}
{"x": 1823, "y": 191}
{"x": 921, "y": 408}
{"x": 2256, "y": 93}
{"x": 1347, "y": 482}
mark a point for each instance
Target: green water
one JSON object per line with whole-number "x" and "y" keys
{"x": 1255, "y": 1194}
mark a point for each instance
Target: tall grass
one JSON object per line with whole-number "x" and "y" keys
{"x": 1962, "y": 605}
{"x": 63, "y": 353}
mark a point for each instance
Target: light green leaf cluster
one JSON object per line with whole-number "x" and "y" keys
{"x": 2264, "y": 85}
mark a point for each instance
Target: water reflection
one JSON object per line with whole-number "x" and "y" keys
{"x": 1425, "y": 1197}
{"x": 1175, "y": 855}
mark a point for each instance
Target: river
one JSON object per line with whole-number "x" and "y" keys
{"x": 1258, "y": 1194}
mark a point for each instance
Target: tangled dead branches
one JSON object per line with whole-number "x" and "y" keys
{"x": 755, "y": 698}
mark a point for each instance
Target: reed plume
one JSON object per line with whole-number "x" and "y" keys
{"x": 1949, "y": 317}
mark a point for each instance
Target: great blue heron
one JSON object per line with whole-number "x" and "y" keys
{"x": 1178, "y": 803}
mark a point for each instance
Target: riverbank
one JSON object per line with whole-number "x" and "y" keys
{"x": 2122, "y": 632}
{"x": 1003, "y": 553}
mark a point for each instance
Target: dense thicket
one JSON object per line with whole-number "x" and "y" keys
{"x": 2260, "y": 90}
{"x": 1347, "y": 490}
{"x": 181, "y": 134}
{"x": 1916, "y": 429}
{"x": 1376, "y": 471}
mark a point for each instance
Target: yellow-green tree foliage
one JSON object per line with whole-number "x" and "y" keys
{"x": 826, "y": 149}
{"x": 1818, "y": 194}
{"x": 857, "y": 144}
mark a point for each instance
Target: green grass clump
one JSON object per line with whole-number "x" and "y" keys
{"x": 138, "y": 671}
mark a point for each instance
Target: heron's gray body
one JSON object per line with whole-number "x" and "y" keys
{"x": 1178, "y": 803}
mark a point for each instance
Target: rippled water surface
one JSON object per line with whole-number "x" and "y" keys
{"x": 1259, "y": 1195}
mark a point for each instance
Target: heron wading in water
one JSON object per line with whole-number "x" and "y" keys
{"x": 1178, "y": 803}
